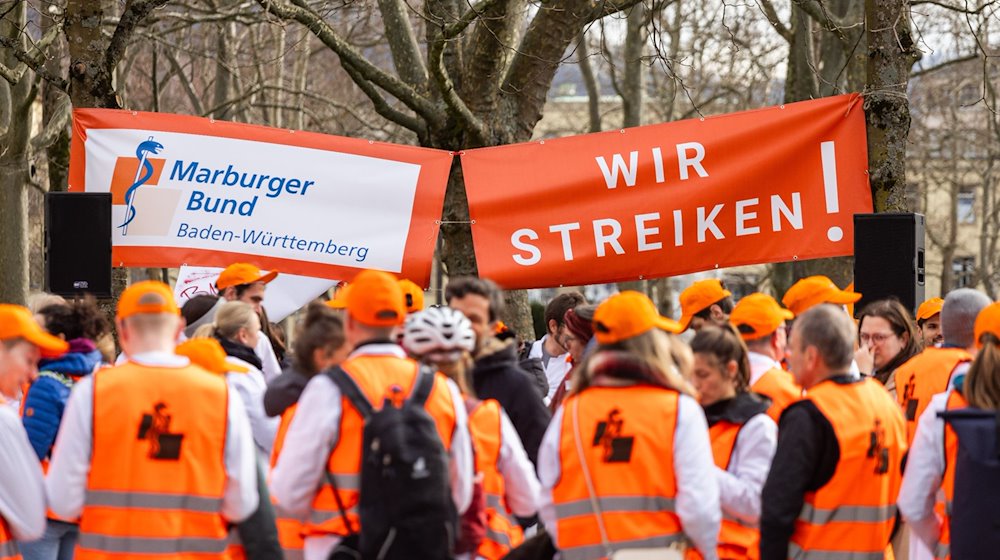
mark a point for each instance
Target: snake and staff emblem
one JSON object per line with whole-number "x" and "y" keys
{"x": 143, "y": 172}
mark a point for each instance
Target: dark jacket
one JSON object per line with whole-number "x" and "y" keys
{"x": 536, "y": 373}
{"x": 45, "y": 400}
{"x": 284, "y": 391}
{"x": 496, "y": 375}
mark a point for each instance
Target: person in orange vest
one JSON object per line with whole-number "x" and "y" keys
{"x": 743, "y": 435}
{"x": 319, "y": 344}
{"x": 831, "y": 491}
{"x": 929, "y": 482}
{"x": 627, "y": 462}
{"x": 153, "y": 456}
{"x": 247, "y": 283}
{"x": 323, "y": 442}
{"x": 443, "y": 337}
{"x": 814, "y": 290}
{"x": 929, "y": 321}
{"x": 929, "y": 373}
{"x": 706, "y": 302}
{"x": 22, "y": 495}
{"x": 761, "y": 323}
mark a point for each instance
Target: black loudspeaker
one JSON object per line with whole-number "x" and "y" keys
{"x": 78, "y": 243}
{"x": 889, "y": 258}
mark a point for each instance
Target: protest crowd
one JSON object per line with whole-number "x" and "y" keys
{"x": 387, "y": 429}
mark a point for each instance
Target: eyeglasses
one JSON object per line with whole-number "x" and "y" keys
{"x": 877, "y": 338}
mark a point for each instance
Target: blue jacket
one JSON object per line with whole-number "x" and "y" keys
{"x": 46, "y": 399}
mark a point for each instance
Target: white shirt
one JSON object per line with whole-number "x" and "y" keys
{"x": 22, "y": 493}
{"x": 924, "y": 471}
{"x": 269, "y": 361}
{"x": 697, "y": 501}
{"x": 521, "y": 488}
{"x": 314, "y": 431}
{"x": 556, "y": 368}
{"x": 741, "y": 483}
{"x": 759, "y": 365}
{"x": 66, "y": 483}
{"x": 250, "y": 386}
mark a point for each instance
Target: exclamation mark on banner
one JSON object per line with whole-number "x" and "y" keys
{"x": 829, "y": 150}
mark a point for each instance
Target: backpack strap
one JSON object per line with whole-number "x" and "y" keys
{"x": 351, "y": 390}
{"x": 423, "y": 385}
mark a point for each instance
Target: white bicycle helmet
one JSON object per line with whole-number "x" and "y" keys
{"x": 438, "y": 329}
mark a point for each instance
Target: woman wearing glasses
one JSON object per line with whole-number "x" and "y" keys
{"x": 888, "y": 339}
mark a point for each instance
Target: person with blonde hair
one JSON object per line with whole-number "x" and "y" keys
{"x": 626, "y": 462}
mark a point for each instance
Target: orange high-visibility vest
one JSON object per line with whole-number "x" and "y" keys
{"x": 943, "y": 505}
{"x": 627, "y": 435}
{"x": 502, "y": 531}
{"x": 853, "y": 513}
{"x": 8, "y": 546}
{"x": 922, "y": 377}
{"x": 289, "y": 528}
{"x": 737, "y": 541}
{"x": 779, "y": 386}
{"x": 157, "y": 474}
{"x": 378, "y": 377}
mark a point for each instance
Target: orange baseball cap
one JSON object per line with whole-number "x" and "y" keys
{"x": 375, "y": 299}
{"x": 238, "y": 274}
{"x": 700, "y": 295}
{"x": 208, "y": 354}
{"x": 628, "y": 314}
{"x": 339, "y": 300}
{"x": 988, "y": 321}
{"x": 145, "y": 297}
{"x": 929, "y": 308}
{"x": 16, "y": 322}
{"x": 814, "y": 290}
{"x": 761, "y": 314}
{"x": 413, "y": 294}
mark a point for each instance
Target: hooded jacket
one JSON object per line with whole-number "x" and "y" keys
{"x": 46, "y": 399}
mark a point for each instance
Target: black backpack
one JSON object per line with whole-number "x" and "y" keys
{"x": 406, "y": 508}
{"x": 975, "y": 517}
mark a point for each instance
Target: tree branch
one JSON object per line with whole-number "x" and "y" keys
{"x": 135, "y": 13}
{"x": 475, "y": 11}
{"x": 966, "y": 11}
{"x": 457, "y": 107}
{"x": 772, "y": 16}
{"x": 382, "y": 107}
{"x": 942, "y": 65}
{"x": 364, "y": 71}
{"x": 816, "y": 9}
{"x": 56, "y": 125}
{"x": 33, "y": 59}
{"x": 406, "y": 55}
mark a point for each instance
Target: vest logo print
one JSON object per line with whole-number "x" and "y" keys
{"x": 609, "y": 434}
{"x": 911, "y": 403}
{"x": 877, "y": 449}
{"x": 420, "y": 469}
{"x": 155, "y": 428}
{"x": 133, "y": 172}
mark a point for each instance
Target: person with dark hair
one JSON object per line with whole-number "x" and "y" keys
{"x": 247, "y": 283}
{"x": 579, "y": 323}
{"x": 832, "y": 486}
{"x": 888, "y": 340}
{"x": 496, "y": 373}
{"x": 706, "y": 302}
{"x": 551, "y": 349}
{"x": 929, "y": 322}
{"x": 80, "y": 323}
{"x": 743, "y": 435}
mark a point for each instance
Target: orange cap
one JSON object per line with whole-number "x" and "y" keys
{"x": 148, "y": 296}
{"x": 814, "y": 290}
{"x": 339, "y": 300}
{"x": 376, "y": 300}
{"x": 761, "y": 314}
{"x": 208, "y": 354}
{"x": 628, "y": 314}
{"x": 16, "y": 322}
{"x": 988, "y": 321}
{"x": 238, "y": 274}
{"x": 700, "y": 295}
{"x": 929, "y": 308}
{"x": 413, "y": 295}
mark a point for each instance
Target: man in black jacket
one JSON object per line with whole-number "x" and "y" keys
{"x": 496, "y": 374}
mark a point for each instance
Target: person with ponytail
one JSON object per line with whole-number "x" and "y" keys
{"x": 743, "y": 436}
{"x": 928, "y": 488}
{"x": 237, "y": 328}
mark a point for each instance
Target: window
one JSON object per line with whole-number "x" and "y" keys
{"x": 963, "y": 269}
{"x": 966, "y": 210}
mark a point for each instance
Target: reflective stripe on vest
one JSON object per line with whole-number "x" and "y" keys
{"x": 152, "y": 500}
{"x": 847, "y": 514}
{"x": 152, "y": 545}
{"x": 8, "y": 549}
{"x": 590, "y": 552}
{"x": 612, "y": 504}
{"x": 942, "y": 505}
{"x": 796, "y": 553}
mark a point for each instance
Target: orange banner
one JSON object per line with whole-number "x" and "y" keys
{"x": 771, "y": 185}
{"x": 194, "y": 191}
